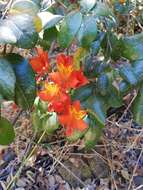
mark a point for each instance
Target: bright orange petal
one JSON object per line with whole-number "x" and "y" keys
{"x": 43, "y": 95}
{"x": 76, "y": 104}
{"x": 55, "y": 77}
{"x": 64, "y": 120}
{"x": 64, "y": 60}
{"x": 36, "y": 64}
{"x": 78, "y": 79}
{"x": 81, "y": 125}
{"x": 40, "y": 63}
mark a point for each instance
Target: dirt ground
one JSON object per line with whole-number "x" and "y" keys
{"x": 116, "y": 162}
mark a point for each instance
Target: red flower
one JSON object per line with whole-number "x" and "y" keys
{"x": 57, "y": 99}
{"x": 40, "y": 63}
{"x": 73, "y": 119}
{"x": 67, "y": 76}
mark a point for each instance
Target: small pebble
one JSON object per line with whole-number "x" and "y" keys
{"x": 21, "y": 183}
{"x": 51, "y": 180}
{"x": 59, "y": 179}
{"x": 67, "y": 187}
{"x": 20, "y": 188}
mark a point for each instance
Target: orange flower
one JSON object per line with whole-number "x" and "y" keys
{"x": 58, "y": 100}
{"x": 73, "y": 118}
{"x": 122, "y": 1}
{"x": 67, "y": 76}
{"x": 40, "y": 63}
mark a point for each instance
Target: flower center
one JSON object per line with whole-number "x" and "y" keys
{"x": 65, "y": 70}
{"x": 51, "y": 88}
{"x": 77, "y": 114}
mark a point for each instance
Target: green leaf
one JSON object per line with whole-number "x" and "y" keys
{"x": 137, "y": 107}
{"x": 103, "y": 84}
{"x": 114, "y": 98}
{"x": 7, "y": 34}
{"x": 19, "y": 30}
{"x": 133, "y": 47}
{"x": 96, "y": 45}
{"x": 7, "y": 79}
{"x": 102, "y": 9}
{"x": 112, "y": 46}
{"x": 6, "y": 132}
{"x": 24, "y": 6}
{"x": 93, "y": 133}
{"x": 26, "y": 33}
{"x": 69, "y": 28}
{"x": 48, "y": 36}
{"x": 124, "y": 87}
{"x": 83, "y": 92}
{"x": 25, "y": 91}
{"x": 93, "y": 69}
{"x": 97, "y": 108}
{"x": 48, "y": 19}
{"x": 127, "y": 73}
{"x": 138, "y": 69}
{"x": 87, "y": 5}
{"x": 87, "y": 32}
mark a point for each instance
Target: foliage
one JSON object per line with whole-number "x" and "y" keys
{"x": 74, "y": 91}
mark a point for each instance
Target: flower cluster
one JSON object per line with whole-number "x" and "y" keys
{"x": 57, "y": 87}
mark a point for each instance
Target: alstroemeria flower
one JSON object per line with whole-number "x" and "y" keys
{"x": 58, "y": 100}
{"x": 40, "y": 63}
{"x": 73, "y": 119}
{"x": 67, "y": 76}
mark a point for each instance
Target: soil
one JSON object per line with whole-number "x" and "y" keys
{"x": 115, "y": 163}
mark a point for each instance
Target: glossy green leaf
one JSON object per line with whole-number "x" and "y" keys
{"x": 6, "y": 132}
{"x": 112, "y": 46}
{"x": 127, "y": 73}
{"x": 24, "y": 6}
{"x": 138, "y": 69}
{"x": 114, "y": 98}
{"x": 102, "y": 9}
{"x": 7, "y": 79}
{"x": 93, "y": 69}
{"x": 19, "y": 30}
{"x": 8, "y": 32}
{"x": 69, "y": 28}
{"x": 133, "y": 47}
{"x": 124, "y": 87}
{"x": 87, "y": 5}
{"x": 83, "y": 92}
{"x": 103, "y": 84}
{"x": 137, "y": 107}
{"x": 48, "y": 19}
{"x": 87, "y": 32}
{"x": 97, "y": 108}
{"x": 48, "y": 37}
{"x": 25, "y": 91}
{"x": 26, "y": 33}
